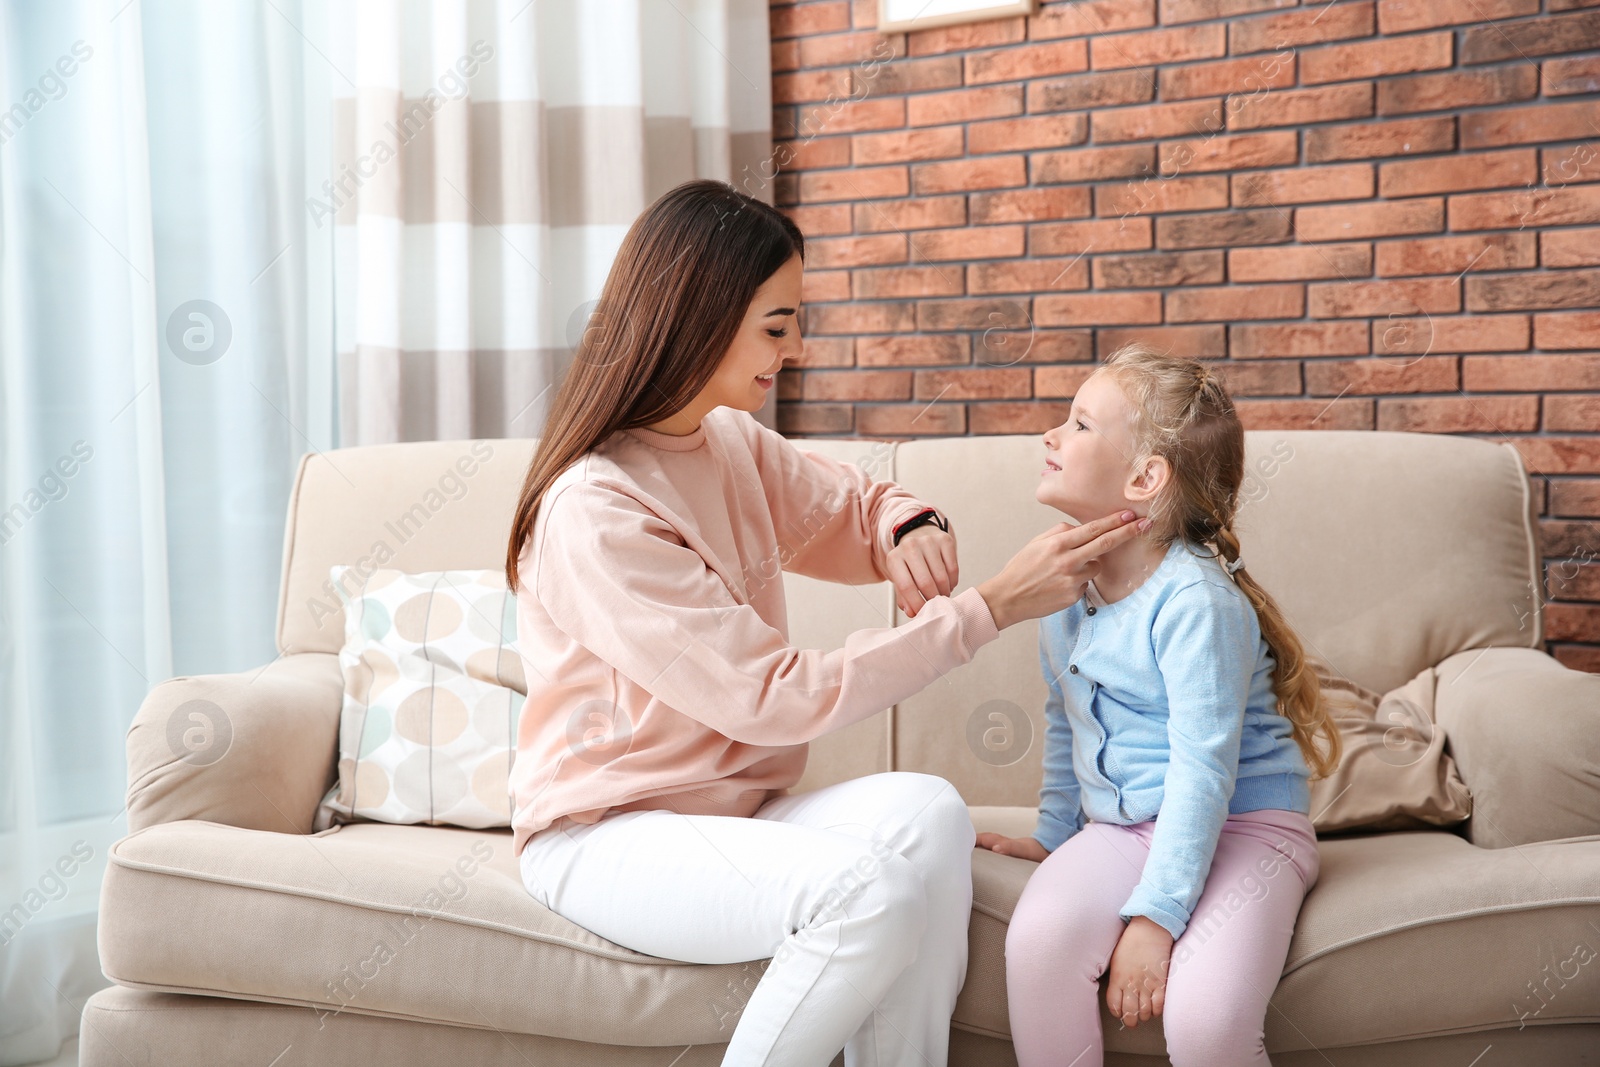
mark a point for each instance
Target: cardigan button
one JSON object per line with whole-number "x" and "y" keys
{"x": 1091, "y": 609}
{"x": 1073, "y": 668}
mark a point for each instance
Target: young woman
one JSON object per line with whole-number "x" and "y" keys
{"x": 1182, "y": 729}
{"x": 668, "y": 715}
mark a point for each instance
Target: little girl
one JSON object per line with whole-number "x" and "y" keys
{"x": 1174, "y": 832}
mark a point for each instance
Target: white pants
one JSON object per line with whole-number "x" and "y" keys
{"x": 842, "y": 887}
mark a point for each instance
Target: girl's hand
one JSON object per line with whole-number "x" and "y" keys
{"x": 922, "y": 566}
{"x": 1137, "y": 988}
{"x": 1026, "y": 847}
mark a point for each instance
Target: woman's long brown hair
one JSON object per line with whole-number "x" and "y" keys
{"x": 677, "y": 292}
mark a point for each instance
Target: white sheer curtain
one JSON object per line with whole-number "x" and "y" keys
{"x": 166, "y": 355}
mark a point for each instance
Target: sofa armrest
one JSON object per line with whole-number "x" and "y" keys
{"x": 257, "y": 749}
{"x": 1525, "y": 734}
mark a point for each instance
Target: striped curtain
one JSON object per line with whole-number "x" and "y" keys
{"x": 489, "y": 156}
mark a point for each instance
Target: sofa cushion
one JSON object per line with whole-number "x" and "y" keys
{"x": 1404, "y": 935}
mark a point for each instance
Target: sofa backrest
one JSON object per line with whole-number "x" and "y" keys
{"x": 1387, "y": 552}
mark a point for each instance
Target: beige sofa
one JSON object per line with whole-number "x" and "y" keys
{"x": 236, "y": 936}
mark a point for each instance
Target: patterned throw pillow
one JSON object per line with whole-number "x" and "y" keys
{"x": 433, "y": 687}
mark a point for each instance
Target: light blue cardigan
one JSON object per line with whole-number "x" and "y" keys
{"x": 1163, "y": 702}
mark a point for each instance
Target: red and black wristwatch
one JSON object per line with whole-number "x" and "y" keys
{"x": 921, "y": 518}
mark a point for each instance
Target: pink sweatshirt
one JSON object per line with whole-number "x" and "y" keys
{"x": 653, "y": 628}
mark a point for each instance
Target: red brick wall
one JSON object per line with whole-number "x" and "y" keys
{"x": 1371, "y": 215}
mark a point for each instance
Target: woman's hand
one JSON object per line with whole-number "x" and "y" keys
{"x": 922, "y": 566}
{"x": 1052, "y": 570}
{"x": 1026, "y": 847}
{"x": 1137, "y": 988}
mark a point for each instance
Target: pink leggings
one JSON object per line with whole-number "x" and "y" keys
{"x": 1224, "y": 967}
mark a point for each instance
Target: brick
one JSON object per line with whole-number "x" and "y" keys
{"x": 1198, "y": 342}
{"x": 964, "y": 105}
{"x": 1297, "y": 107}
{"x": 1542, "y": 122}
{"x": 1176, "y": 11}
{"x": 1546, "y": 289}
{"x": 889, "y": 283}
{"x": 1351, "y": 413}
{"x": 1028, "y": 276}
{"x": 810, "y": 85}
{"x": 820, "y": 219}
{"x": 1457, "y": 255}
{"x": 1569, "y": 248}
{"x": 842, "y": 49}
{"x": 1530, "y": 373}
{"x": 1374, "y": 377}
{"x": 1086, "y": 18}
{"x": 1573, "y": 413}
{"x": 1024, "y": 62}
{"x": 859, "y": 317}
{"x": 1234, "y": 302}
{"x": 824, "y": 352}
{"x": 856, "y": 251}
{"x": 966, "y": 36}
{"x": 981, "y": 314}
{"x": 1350, "y": 181}
{"x": 906, "y": 76}
{"x": 977, "y": 242}
{"x": 1372, "y": 140}
{"x": 1300, "y": 263}
{"x": 921, "y": 350}
{"x": 1230, "y": 152}
{"x": 1398, "y": 335}
{"x": 1251, "y": 74}
{"x": 1571, "y": 163}
{"x": 1405, "y": 16}
{"x": 1264, "y": 378}
{"x": 962, "y": 175}
{"x": 1569, "y": 622}
{"x": 1532, "y": 37}
{"x": 1460, "y": 414}
{"x": 817, "y": 286}
{"x": 1313, "y": 25}
{"x": 1251, "y": 341}
{"x": 1578, "y": 497}
{"x": 1266, "y": 226}
{"x": 814, "y": 154}
{"x": 1030, "y": 205}
{"x": 800, "y": 419}
{"x": 1578, "y": 329}
{"x": 1345, "y": 222}
{"x": 1152, "y": 47}
{"x": 1158, "y": 269}
{"x": 1156, "y": 120}
{"x": 1079, "y": 238}
{"x": 1097, "y": 309}
{"x": 1563, "y": 77}
{"x": 911, "y": 420}
{"x": 1573, "y": 205}
{"x": 988, "y": 383}
{"x": 785, "y": 55}
{"x": 1039, "y": 131}
{"x": 1059, "y": 381}
{"x": 852, "y": 117}
{"x": 1458, "y": 89}
{"x": 1156, "y": 195}
{"x": 808, "y": 20}
{"x": 1376, "y": 59}
{"x": 853, "y": 184}
{"x": 856, "y": 385}
{"x": 1005, "y": 348}
{"x": 1084, "y": 91}
{"x": 1457, "y": 173}
{"x": 941, "y": 142}
{"x": 1092, "y": 164}
{"x": 1011, "y": 417}
{"x": 1340, "y": 300}
{"x": 921, "y": 213}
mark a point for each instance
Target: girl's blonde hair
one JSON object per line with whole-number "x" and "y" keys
{"x": 1182, "y": 412}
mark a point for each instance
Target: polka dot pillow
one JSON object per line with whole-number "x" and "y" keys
{"x": 433, "y": 687}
